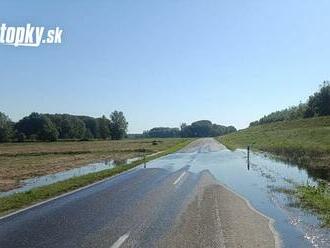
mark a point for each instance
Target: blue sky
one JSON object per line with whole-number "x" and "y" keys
{"x": 167, "y": 62}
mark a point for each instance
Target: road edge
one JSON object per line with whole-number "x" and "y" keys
{"x": 271, "y": 221}
{"x": 135, "y": 166}
{"x": 67, "y": 193}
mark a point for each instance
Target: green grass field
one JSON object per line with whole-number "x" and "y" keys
{"x": 305, "y": 142}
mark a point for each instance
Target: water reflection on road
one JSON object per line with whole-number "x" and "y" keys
{"x": 265, "y": 185}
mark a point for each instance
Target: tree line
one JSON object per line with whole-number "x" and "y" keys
{"x": 51, "y": 127}
{"x": 317, "y": 104}
{"x": 202, "y": 128}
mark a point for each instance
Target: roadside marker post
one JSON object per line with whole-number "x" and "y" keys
{"x": 144, "y": 158}
{"x": 248, "y": 157}
{"x": 145, "y": 163}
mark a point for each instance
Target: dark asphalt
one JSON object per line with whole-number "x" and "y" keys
{"x": 139, "y": 208}
{"x": 143, "y": 203}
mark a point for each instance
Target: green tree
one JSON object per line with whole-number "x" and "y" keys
{"x": 185, "y": 130}
{"x": 48, "y": 131}
{"x": 6, "y": 130}
{"x": 118, "y": 125}
{"x": 162, "y": 132}
{"x": 104, "y": 127}
{"x": 20, "y": 137}
{"x": 204, "y": 128}
{"x": 201, "y": 128}
{"x": 71, "y": 127}
{"x": 92, "y": 126}
{"x": 37, "y": 126}
{"x": 319, "y": 103}
{"x": 88, "y": 135}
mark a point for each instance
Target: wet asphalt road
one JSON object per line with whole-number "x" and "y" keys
{"x": 134, "y": 209}
{"x": 139, "y": 205}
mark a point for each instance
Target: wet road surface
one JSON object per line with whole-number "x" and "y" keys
{"x": 167, "y": 204}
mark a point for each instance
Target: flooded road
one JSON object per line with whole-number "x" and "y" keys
{"x": 264, "y": 185}
{"x": 163, "y": 205}
{"x": 196, "y": 197}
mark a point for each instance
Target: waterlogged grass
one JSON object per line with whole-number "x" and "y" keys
{"x": 20, "y": 200}
{"x": 283, "y": 190}
{"x": 316, "y": 199}
{"x": 313, "y": 198}
{"x": 305, "y": 142}
{"x": 19, "y": 161}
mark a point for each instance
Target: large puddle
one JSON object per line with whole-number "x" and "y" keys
{"x": 31, "y": 183}
{"x": 264, "y": 184}
{"x": 35, "y": 182}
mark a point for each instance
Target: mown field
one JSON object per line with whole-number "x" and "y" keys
{"x": 26, "y": 160}
{"x": 305, "y": 142}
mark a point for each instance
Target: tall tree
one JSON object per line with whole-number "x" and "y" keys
{"x": 37, "y": 126}
{"x": 5, "y": 128}
{"x": 319, "y": 103}
{"x": 48, "y": 131}
{"x": 92, "y": 126}
{"x": 118, "y": 125}
{"x": 104, "y": 127}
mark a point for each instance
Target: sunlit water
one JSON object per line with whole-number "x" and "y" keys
{"x": 31, "y": 183}
{"x": 260, "y": 185}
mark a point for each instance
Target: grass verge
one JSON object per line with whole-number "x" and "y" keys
{"x": 19, "y": 200}
{"x": 316, "y": 199}
{"x": 305, "y": 142}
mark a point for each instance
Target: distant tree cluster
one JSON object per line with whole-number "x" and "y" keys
{"x": 162, "y": 132}
{"x": 51, "y": 127}
{"x": 317, "y": 105}
{"x": 203, "y": 128}
{"x": 292, "y": 113}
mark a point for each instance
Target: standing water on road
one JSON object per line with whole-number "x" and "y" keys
{"x": 263, "y": 185}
